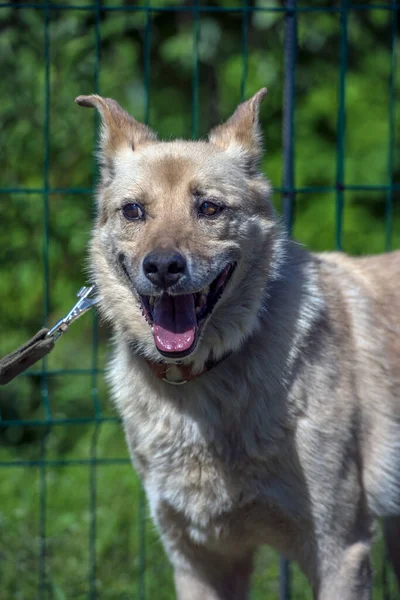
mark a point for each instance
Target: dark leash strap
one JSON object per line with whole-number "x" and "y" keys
{"x": 27, "y": 355}
{"x": 43, "y": 342}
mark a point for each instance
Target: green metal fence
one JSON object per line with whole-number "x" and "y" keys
{"x": 40, "y": 560}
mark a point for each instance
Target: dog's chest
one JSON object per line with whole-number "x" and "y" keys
{"x": 215, "y": 482}
{"x": 218, "y": 504}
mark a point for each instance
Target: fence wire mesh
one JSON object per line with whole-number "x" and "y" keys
{"x": 74, "y": 522}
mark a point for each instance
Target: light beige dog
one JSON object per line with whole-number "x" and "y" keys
{"x": 284, "y": 428}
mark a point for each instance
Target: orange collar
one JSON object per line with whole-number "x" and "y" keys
{"x": 180, "y": 374}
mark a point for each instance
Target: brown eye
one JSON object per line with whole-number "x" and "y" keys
{"x": 133, "y": 212}
{"x": 209, "y": 209}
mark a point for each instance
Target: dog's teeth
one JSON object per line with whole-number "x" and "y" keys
{"x": 206, "y": 290}
{"x": 151, "y": 300}
{"x": 198, "y": 309}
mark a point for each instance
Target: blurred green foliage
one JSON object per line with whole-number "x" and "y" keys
{"x": 191, "y": 87}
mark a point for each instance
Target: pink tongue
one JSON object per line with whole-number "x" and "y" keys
{"x": 175, "y": 323}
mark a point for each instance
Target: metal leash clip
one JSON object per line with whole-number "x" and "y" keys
{"x": 85, "y": 303}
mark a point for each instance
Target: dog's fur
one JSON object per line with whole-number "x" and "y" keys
{"x": 292, "y": 440}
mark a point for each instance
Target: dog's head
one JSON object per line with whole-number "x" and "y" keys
{"x": 185, "y": 237}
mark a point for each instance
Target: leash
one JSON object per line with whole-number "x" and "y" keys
{"x": 43, "y": 342}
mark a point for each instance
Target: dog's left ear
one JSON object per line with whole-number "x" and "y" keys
{"x": 118, "y": 130}
{"x": 242, "y": 129}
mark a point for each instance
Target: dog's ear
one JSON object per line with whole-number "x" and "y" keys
{"x": 242, "y": 129}
{"x": 118, "y": 130}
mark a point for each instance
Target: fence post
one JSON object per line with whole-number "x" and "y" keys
{"x": 341, "y": 121}
{"x": 290, "y": 48}
{"x": 288, "y": 199}
{"x": 392, "y": 127}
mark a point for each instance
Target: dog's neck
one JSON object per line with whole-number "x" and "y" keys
{"x": 284, "y": 292}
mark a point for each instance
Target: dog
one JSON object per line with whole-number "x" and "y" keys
{"x": 258, "y": 383}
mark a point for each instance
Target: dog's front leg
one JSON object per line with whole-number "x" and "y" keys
{"x": 347, "y": 576}
{"x": 212, "y": 578}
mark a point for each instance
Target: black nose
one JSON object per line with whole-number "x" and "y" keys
{"x": 164, "y": 267}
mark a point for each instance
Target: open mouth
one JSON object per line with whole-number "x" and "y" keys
{"x": 177, "y": 320}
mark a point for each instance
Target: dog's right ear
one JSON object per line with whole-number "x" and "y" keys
{"x": 118, "y": 130}
{"x": 242, "y": 130}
